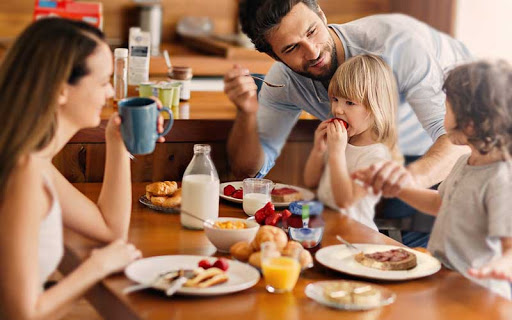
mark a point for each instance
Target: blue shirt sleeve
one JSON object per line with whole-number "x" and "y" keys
{"x": 275, "y": 117}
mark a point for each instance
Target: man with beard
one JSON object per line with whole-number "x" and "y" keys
{"x": 307, "y": 53}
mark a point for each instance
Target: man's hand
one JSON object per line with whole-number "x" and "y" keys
{"x": 241, "y": 89}
{"x": 387, "y": 177}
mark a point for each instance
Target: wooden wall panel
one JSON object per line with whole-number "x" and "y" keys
{"x": 438, "y": 13}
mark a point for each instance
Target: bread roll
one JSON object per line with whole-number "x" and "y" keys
{"x": 241, "y": 251}
{"x": 270, "y": 233}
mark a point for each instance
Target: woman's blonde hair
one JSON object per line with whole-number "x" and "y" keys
{"x": 368, "y": 80}
{"x": 47, "y": 54}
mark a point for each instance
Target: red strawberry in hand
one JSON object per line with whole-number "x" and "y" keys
{"x": 238, "y": 194}
{"x": 228, "y": 190}
{"x": 345, "y": 124}
{"x": 222, "y": 264}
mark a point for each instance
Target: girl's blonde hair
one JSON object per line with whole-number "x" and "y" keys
{"x": 368, "y": 80}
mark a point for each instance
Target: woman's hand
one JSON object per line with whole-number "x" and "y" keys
{"x": 160, "y": 119}
{"x": 337, "y": 138}
{"x": 115, "y": 256}
{"x": 320, "y": 144}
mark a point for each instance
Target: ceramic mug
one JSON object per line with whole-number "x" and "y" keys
{"x": 139, "y": 124}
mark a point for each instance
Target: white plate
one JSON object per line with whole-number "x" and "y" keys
{"x": 306, "y": 194}
{"x": 241, "y": 275}
{"x": 315, "y": 291}
{"x": 341, "y": 258}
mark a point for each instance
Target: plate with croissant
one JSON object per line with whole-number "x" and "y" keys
{"x": 162, "y": 196}
{"x": 233, "y": 276}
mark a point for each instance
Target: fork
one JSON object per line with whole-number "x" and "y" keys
{"x": 348, "y": 244}
{"x": 142, "y": 286}
{"x": 266, "y": 82}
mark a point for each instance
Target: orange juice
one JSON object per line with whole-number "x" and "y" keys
{"x": 281, "y": 273}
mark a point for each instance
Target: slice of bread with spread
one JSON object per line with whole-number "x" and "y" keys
{"x": 285, "y": 195}
{"x": 391, "y": 260}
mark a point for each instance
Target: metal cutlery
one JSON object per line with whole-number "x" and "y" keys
{"x": 168, "y": 275}
{"x": 348, "y": 244}
{"x": 266, "y": 82}
{"x": 180, "y": 281}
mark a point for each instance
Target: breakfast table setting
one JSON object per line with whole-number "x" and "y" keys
{"x": 240, "y": 289}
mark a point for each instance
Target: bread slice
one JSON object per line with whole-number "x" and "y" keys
{"x": 285, "y": 195}
{"x": 349, "y": 292}
{"x": 391, "y": 260}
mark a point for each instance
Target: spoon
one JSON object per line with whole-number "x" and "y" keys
{"x": 208, "y": 222}
{"x": 266, "y": 82}
{"x": 348, "y": 244}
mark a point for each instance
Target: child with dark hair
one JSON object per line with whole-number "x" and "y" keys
{"x": 473, "y": 230}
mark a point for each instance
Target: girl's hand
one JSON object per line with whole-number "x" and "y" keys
{"x": 115, "y": 256}
{"x": 320, "y": 144}
{"x": 337, "y": 138}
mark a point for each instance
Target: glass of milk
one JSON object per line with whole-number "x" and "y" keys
{"x": 200, "y": 189}
{"x": 256, "y": 194}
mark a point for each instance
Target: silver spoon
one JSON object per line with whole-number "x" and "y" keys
{"x": 266, "y": 82}
{"x": 348, "y": 244}
{"x": 208, "y": 222}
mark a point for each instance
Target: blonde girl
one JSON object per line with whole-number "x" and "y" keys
{"x": 54, "y": 82}
{"x": 363, "y": 95}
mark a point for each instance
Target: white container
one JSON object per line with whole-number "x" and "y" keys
{"x": 255, "y": 201}
{"x": 151, "y": 21}
{"x": 200, "y": 189}
{"x": 120, "y": 73}
{"x": 138, "y": 61}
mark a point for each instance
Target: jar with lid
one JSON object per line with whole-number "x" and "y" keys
{"x": 182, "y": 75}
{"x": 200, "y": 189}
{"x": 120, "y": 73}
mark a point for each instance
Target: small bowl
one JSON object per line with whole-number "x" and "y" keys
{"x": 308, "y": 237}
{"x": 223, "y": 239}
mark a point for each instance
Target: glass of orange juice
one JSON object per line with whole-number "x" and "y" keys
{"x": 280, "y": 272}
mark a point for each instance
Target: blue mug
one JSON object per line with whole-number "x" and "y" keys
{"x": 138, "y": 125}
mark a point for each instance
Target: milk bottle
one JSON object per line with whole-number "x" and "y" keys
{"x": 200, "y": 189}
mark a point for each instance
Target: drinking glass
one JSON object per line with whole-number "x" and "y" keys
{"x": 256, "y": 194}
{"x": 280, "y": 272}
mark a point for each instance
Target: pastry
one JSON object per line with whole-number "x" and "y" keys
{"x": 270, "y": 233}
{"x": 167, "y": 201}
{"x": 285, "y": 195}
{"x": 395, "y": 259}
{"x": 241, "y": 250}
{"x": 347, "y": 292}
{"x": 207, "y": 278}
{"x": 165, "y": 188}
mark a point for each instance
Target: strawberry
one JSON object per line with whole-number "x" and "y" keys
{"x": 260, "y": 216}
{"x": 286, "y": 214}
{"x": 222, "y": 264}
{"x": 239, "y": 194}
{"x": 269, "y": 209}
{"x": 205, "y": 264}
{"x": 228, "y": 190}
{"x": 345, "y": 124}
{"x": 272, "y": 219}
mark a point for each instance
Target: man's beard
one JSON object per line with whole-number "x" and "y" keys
{"x": 327, "y": 75}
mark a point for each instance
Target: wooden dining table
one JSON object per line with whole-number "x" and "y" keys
{"x": 443, "y": 295}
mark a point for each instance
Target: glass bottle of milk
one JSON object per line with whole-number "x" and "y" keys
{"x": 200, "y": 189}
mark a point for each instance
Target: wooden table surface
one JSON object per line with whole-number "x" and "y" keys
{"x": 445, "y": 295}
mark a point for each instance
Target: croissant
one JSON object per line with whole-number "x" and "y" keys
{"x": 165, "y": 188}
{"x": 168, "y": 202}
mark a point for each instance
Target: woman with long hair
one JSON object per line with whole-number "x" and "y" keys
{"x": 54, "y": 82}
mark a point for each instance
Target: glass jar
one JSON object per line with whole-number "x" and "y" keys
{"x": 182, "y": 75}
{"x": 200, "y": 189}
{"x": 120, "y": 73}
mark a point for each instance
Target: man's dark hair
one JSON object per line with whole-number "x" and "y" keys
{"x": 259, "y": 17}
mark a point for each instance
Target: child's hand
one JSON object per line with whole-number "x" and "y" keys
{"x": 500, "y": 269}
{"x": 387, "y": 177}
{"x": 320, "y": 144}
{"x": 337, "y": 138}
{"x": 115, "y": 256}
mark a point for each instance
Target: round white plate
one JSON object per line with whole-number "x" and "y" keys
{"x": 306, "y": 194}
{"x": 341, "y": 258}
{"x": 315, "y": 291}
{"x": 241, "y": 275}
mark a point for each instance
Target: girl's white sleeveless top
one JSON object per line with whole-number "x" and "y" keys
{"x": 51, "y": 244}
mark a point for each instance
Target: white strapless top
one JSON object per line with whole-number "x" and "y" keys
{"x": 51, "y": 244}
